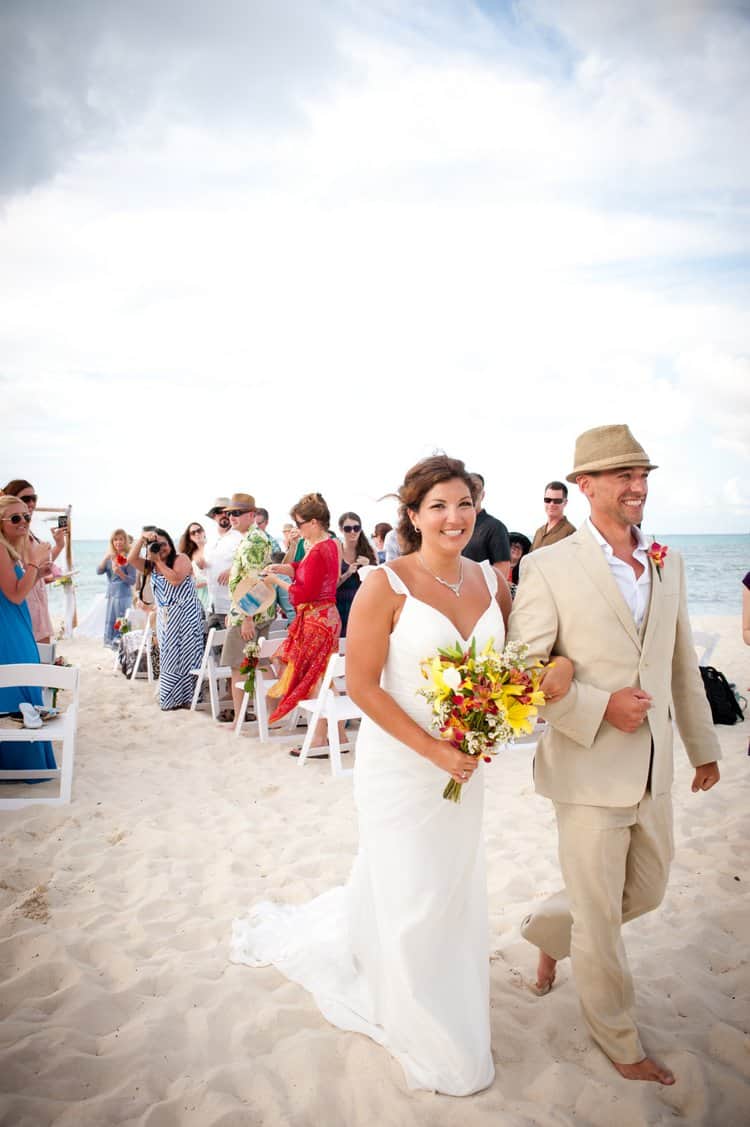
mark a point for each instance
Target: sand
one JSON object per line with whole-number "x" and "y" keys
{"x": 119, "y": 1005}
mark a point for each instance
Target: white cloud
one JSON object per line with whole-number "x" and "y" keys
{"x": 461, "y": 242}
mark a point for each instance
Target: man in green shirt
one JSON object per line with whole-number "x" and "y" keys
{"x": 557, "y": 526}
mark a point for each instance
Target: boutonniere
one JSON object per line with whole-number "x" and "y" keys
{"x": 657, "y": 553}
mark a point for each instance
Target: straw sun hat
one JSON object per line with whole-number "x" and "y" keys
{"x": 608, "y": 448}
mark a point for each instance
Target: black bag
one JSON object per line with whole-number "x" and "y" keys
{"x": 725, "y": 707}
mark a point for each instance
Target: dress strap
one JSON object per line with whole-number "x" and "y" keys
{"x": 397, "y": 584}
{"x": 490, "y": 576}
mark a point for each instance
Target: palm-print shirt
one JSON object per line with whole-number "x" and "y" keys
{"x": 252, "y": 555}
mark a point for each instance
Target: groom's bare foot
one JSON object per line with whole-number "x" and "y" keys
{"x": 645, "y": 1069}
{"x": 545, "y": 973}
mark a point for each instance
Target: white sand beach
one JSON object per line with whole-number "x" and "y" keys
{"x": 119, "y": 1004}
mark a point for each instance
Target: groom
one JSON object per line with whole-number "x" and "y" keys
{"x": 605, "y": 760}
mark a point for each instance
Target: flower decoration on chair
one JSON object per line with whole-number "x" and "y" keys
{"x": 481, "y": 700}
{"x": 657, "y": 553}
{"x": 249, "y": 665}
{"x": 59, "y": 661}
{"x": 122, "y": 626}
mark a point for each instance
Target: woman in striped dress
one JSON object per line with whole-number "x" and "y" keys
{"x": 179, "y": 622}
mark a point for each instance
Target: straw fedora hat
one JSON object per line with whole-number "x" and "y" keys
{"x": 608, "y": 448}
{"x": 218, "y": 506}
{"x": 244, "y": 501}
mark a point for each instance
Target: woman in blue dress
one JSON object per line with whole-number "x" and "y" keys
{"x": 120, "y": 580}
{"x": 17, "y": 645}
{"x": 179, "y": 621}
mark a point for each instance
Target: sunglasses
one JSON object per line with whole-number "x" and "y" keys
{"x": 351, "y": 527}
{"x": 18, "y": 517}
{"x": 554, "y": 500}
{"x": 299, "y": 523}
{"x": 29, "y": 497}
{"x": 235, "y": 512}
{"x": 195, "y": 531}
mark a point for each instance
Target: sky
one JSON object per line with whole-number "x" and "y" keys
{"x": 294, "y": 246}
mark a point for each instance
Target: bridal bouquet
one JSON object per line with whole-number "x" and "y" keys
{"x": 480, "y": 700}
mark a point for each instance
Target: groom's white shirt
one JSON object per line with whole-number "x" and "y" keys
{"x": 635, "y": 592}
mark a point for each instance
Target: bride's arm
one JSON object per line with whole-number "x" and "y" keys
{"x": 372, "y": 618}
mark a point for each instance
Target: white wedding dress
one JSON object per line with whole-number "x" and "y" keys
{"x": 401, "y": 952}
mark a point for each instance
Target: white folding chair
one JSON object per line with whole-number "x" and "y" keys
{"x": 268, "y": 647}
{"x": 332, "y": 707}
{"x": 705, "y": 644}
{"x": 211, "y": 671}
{"x": 144, "y": 647}
{"x": 60, "y": 730}
{"x": 279, "y": 628}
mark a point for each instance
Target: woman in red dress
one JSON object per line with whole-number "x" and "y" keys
{"x": 314, "y": 633}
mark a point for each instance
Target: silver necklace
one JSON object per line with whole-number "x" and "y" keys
{"x": 454, "y": 587}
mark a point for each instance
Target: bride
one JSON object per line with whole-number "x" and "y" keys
{"x": 401, "y": 952}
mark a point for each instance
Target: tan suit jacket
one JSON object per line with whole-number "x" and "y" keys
{"x": 569, "y": 603}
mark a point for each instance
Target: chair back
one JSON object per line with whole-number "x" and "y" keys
{"x": 40, "y": 676}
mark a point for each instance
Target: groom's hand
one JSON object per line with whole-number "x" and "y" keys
{"x": 706, "y": 776}
{"x": 627, "y": 709}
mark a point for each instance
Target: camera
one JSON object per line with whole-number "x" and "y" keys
{"x": 149, "y": 528}
{"x": 154, "y": 547}
{"x": 62, "y": 522}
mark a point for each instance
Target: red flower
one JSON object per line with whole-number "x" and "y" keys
{"x": 657, "y": 553}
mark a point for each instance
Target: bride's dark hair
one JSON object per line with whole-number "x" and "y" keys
{"x": 418, "y": 482}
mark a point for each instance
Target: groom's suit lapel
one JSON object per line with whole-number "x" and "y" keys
{"x": 595, "y": 565}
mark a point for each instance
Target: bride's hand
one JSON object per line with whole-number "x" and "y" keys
{"x": 458, "y": 765}
{"x": 557, "y": 678}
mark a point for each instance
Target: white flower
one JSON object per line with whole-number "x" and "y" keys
{"x": 452, "y": 677}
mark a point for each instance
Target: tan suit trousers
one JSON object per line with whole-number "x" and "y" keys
{"x": 615, "y": 863}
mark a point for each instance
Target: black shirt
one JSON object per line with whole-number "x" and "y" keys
{"x": 489, "y": 540}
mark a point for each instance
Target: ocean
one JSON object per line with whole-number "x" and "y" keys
{"x": 715, "y": 566}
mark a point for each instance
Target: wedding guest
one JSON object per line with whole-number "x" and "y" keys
{"x": 356, "y": 553}
{"x": 261, "y": 522}
{"x": 252, "y": 555}
{"x": 489, "y": 540}
{"x": 520, "y": 546}
{"x": 37, "y": 598}
{"x": 314, "y": 634}
{"x": 21, "y": 562}
{"x": 289, "y": 537}
{"x": 179, "y": 620}
{"x": 557, "y": 526}
{"x": 380, "y": 532}
{"x": 218, "y": 554}
{"x": 606, "y": 756}
{"x": 391, "y": 546}
{"x": 193, "y": 544}
{"x": 120, "y": 582}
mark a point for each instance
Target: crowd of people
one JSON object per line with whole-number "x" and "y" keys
{"x": 309, "y": 578}
{"x": 312, "y": 572}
